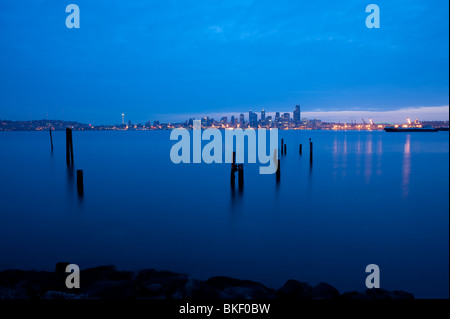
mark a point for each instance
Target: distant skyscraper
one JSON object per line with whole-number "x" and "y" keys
{"x": 253, "y": 119}
{"x": 286, "y": 117}
{"x": 205, "y": 121}
{"x": 123, "y": 119}
{"x": 296, "y": 114}
{"x": 277, "y": 117}
{"x": 232, "y": 119}
{"x": 224, "y": 120}
{"x": 263, "y": 116}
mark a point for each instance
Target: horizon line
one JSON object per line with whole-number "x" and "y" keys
{"x": 423, "y": 113}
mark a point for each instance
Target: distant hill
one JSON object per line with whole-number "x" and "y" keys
{"x": 41, "y": 125}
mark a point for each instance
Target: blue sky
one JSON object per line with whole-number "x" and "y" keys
{"x": 174, "y": 59}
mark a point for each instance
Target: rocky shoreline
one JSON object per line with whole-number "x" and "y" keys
{"x": 106, "y": 282}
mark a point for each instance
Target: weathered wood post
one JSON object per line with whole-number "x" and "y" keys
{"x": 233, "y": 170}
{"x": 67, "y": 146}
{"x": 241, "y": 175}
{"x": 310, "y": 151}
{"x": 282, "y": 142}
{"x": 300, "y": 149}
{"x": 80, "y": 186}
{"x": 284, "y": 149}
{"x": 51, "y": 138}
{"x": 71, "y": 147}
{"x": 278, "y": 170}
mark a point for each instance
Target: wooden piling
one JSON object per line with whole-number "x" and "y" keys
{"x": 282, "y": 142}
{"x": 51, "y": 139}
{"x": 300, "y": 149}
{"x": 233, "y": 170}
{"x": 67, "y": 146}
{"x": 310, "y": 151}
{"x": 278, "y": 170}
{"x": 241, "y": 175}
{"x": 80, "y": 185}
{"x": 284, "y": 149}
{"x": 71, "y": 147}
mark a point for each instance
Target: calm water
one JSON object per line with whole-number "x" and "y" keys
{"x": 370, "y": 197}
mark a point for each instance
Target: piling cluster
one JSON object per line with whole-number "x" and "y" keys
{"x": 237, "y": 168}
{"x": 282, "y": 151}
{"x": 69, "y": 159}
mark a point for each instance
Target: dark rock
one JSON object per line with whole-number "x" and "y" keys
{"x": 63, "y": 295}
{"x": 170, "y": 283}
{"x": 325, "y": 291}
{"x": 31, "y": 284}
{"x": 378, "y": 293}
{"x": 9, "y": 278}
{"x": 111, "y": 290}
{"x": 61, "y": 267}
{"x": 354, "y": 295}
{"x": 196, "y": 289}
{"x": 231, "y": 288}
{"x": 294, "y": 289}
{"x": 399, "y": 294}
{"x": 103, "y": 273}
{"x": 107, "y": 283}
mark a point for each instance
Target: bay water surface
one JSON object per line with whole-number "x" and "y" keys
{"x": 369, "y": 198}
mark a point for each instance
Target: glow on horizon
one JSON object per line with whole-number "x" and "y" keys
{"x": 432, "y": 113}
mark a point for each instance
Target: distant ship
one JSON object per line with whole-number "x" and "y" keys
{"x": 411, "y": 127}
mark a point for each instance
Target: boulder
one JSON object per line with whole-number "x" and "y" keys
{"x": 325, "y": 291}
{"x": 231, "y": 288}
{"x": 294, "y": 289}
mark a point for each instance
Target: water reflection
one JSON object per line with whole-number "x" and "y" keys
{"x": 70, "y": 178}
{"x": 236, "y": 199}
{"x": 368, "y": 163}
{"x": 406, "y": 170}
{"x": 379, "y": 153}
{"x": 358, "y": 156}
{"x": 335, "y": 158}
{"x": 344, "y": 158}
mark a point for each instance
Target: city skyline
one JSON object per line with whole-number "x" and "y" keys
{"x": 436, "y": 113}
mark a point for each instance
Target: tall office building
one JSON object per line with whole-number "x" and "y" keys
{"x": 263, "y": 116}
{"x": 224, "y": 120}
{"x": 277, "y": 117}
{"x": 297, "y": 117}
{"x": 241, "y": 119}
{"x": 286, "y": 117}
{"x": 252, "y": 119}
{"x": 232, "y": 120}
